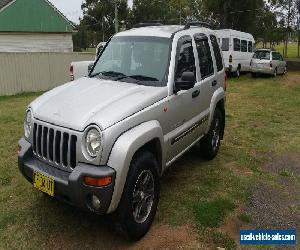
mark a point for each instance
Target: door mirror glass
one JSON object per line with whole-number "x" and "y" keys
{"x": 187, "y": 81}
{"x": 90, "y": 66}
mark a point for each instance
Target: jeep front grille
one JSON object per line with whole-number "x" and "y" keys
{"x": 54, "y": 146}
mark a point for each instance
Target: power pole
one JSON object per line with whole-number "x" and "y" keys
{"x": 116, "y": 17}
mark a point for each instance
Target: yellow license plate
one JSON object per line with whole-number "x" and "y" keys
{"x": 43, "y": 183}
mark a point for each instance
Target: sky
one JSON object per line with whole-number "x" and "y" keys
{"x": 72, "y": 8}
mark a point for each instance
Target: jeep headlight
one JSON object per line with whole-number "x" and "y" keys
{"x": 93, "y": 142}
{"x": 28, "y": 124}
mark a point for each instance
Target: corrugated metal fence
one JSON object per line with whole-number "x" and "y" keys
{"x": 30, "y": 72}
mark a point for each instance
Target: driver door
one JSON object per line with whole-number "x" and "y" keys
{"x": 182, "y": 134}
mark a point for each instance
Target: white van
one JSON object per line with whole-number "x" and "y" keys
{"x": 238, "y": 49}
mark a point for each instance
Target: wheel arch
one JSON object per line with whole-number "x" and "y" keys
{"x": 218, "y": 101}
{"x": 146, "y": 136}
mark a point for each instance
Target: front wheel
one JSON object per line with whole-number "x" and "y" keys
{"x": 275, "y": 72}
{"x": 285, "y": 70}
{"x": 139, "y": 201}
{"x": 210, "y": 144}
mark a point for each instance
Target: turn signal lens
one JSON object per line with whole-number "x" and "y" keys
{"x": 97, "y": 182}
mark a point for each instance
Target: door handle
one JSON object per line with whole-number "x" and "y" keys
{"x": 214, "y": 83}
{"x": 196, "y": 93}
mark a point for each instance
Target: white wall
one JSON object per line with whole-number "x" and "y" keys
{"x": 31, "y": 72}
{"x": 36, "y": 42}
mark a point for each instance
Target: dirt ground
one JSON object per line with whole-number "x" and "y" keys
{"x": 159, "y": 237}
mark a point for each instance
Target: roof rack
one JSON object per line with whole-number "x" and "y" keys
{"x": 196, "y": 23}
{"x": 140, "y": 25}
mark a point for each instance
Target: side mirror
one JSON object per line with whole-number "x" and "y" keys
{"x": 187, "y": 81}
{"x": 90, "y": 67}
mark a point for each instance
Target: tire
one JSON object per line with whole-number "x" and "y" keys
{"x": 210, "y": 144}
{"x": 285, "y": 70}
{"x": 253, "y": 75}
{"x": 136, "y": 211}
{"x": 238, "y": 72}
{"x": 275, "y": 73}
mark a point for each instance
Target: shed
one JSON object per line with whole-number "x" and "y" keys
{"x": 34, "y": 26}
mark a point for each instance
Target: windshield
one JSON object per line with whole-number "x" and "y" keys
{"x": 262, "y": 55}
{"x": 141, "y": 60}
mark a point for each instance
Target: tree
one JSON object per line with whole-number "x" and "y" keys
{"x": 298, "y": 24}
{"x": 235, "y": 14}
{"x": 287, "y": 11}
{"x": 99, "y": 17}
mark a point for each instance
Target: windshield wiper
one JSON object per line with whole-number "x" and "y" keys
{"x": 109, "y": 73}
{"x": 140, "y": 78}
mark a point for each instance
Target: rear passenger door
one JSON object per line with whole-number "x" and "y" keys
{"x": 207, "y": 80}
{"x": 218, "y": 61}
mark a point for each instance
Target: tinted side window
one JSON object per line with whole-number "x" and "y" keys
{"x": 185, "y": 57}
{"x": 236, "y": 44}
{"x": 281, "y": 58}
{"x": 244, "y": 46}
{"x": 250, "y": 46}
{"x": 204, "y": 54}
{"x": 276, "y": 56}
{"x": 225, "y": 44}
{"x": 217, "y": 52}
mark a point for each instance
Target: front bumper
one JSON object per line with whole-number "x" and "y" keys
{"x": 69, "y": 187}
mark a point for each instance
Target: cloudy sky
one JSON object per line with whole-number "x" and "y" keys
{"x": 72, "y": 9}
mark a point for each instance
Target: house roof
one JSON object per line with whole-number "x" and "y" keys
{"x": 38, "y": 16}
{"x": 3, "y": 3}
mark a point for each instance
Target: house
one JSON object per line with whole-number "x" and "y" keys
{"x": 34, "y": 26}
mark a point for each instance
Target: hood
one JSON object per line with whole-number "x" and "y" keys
{"x": 86, "y": 101}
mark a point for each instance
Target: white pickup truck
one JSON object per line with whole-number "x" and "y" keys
{"x": 82, "y": 68}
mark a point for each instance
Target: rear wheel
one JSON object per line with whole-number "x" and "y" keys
{"x": 139, "y": 201}
{"x": 254, "y": 75}
{"x": 210, "y": 144}
{"x": 238, "y": 72}
{"x": 275, "y": 72}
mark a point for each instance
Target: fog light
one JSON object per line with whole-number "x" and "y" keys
{"x": 96, "y": 202}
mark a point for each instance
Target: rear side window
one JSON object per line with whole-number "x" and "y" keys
{"x": 262, "y": 55}
{"x": 276, "y": 56}
{"x": 244, "y": 46}
{"x": 217, "y": 52}
{"x": 204, "y": 54}
{"x": 250, "y": 47}
{"x": 185, "y": 57}
{"x": 236, "y": 44}
{"x": 225, "y": 44}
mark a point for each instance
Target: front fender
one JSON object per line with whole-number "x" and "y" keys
{"x": 123, "y": 151}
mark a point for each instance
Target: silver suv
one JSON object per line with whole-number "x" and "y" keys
{"x": 102, "y": 142}
{"x": 267, "y": 61}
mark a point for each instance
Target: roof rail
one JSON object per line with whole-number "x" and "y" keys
{"x": 196, "y": 23}
{"x": 140, "y": 25}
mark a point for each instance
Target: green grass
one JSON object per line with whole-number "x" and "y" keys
{"x": 221, "y": 239}
{"x": 262, "y": 121}
{"x": 245, "y": 218}
{"x": 212, "y": 213}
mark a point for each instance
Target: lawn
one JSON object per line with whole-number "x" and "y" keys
{"x": 262, "y": 123}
